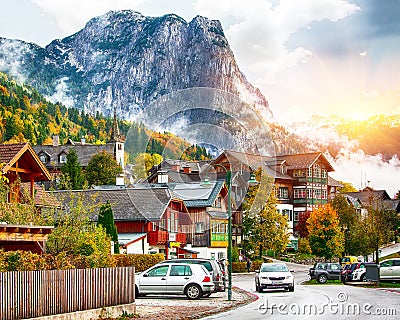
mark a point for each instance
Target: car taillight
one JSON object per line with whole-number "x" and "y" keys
{"x": 218, "y": 277}
{"x": 206, "y": 279}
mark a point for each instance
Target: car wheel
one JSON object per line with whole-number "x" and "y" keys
{"x": 259, "y": 289}
{"x": 206, "y": 295}
{"x": 291, "y": 288}
{"x": 322, "y": 278}
{"x": 193, "y": 291}
{"x": 363, "y": 278}
{"x": 136, "y": 292}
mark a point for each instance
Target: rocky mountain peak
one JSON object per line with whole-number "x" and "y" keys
{"x": 126, "y": 60}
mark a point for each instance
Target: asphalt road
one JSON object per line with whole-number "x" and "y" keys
{"x": 314, "y": 301}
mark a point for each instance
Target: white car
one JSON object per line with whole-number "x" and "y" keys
{"x": 274, "y": 275}
{"x": 389, "y": 269}
{"x": 193, "y": 280}
{"x": 359, "y": 274}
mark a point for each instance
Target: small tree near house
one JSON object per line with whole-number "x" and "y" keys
{"x": 106, "y": 220}
{"x": 325, "y": 236}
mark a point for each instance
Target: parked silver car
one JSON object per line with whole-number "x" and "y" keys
{"x": 390, "y": 269}
{"x": 193, "y": 280}
{"x": 212, "y": 266}
{"x": 274, "y": 275}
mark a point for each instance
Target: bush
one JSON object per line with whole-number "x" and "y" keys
{"x": 239, "y": 267}
{"x": 304, "y": 246}
{"x": 140, "y": 261}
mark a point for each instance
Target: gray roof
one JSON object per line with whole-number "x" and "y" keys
{"x": 218, "y": 214}
{"x": 196, "y": 194}
{"x": 147, "y": 204}
{"x": 84, "y": 151}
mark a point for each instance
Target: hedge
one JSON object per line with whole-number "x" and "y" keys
{"x": 27, "y": 261}
{"x": 140, "y": 261}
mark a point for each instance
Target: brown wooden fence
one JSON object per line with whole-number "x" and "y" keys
{"x": 30, "y": 294}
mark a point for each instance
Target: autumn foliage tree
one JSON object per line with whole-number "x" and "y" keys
{"x": 264, "y": 227}
{"x": 325, "y": 235}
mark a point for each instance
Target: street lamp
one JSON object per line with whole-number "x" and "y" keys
{"x": 228, "y": 181}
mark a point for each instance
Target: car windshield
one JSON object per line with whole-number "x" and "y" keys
{"x": 274, "y": 268}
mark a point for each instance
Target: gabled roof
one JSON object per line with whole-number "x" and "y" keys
{"x": 197, "y": 194}
{"x": 304, "y": 160}
{"x": 369, "y": 196}
{"x": 21, "y": 158}
{"x": 254, "y": 161}
{"x": 146, "y": 204}
{"x": 84, "y": 151}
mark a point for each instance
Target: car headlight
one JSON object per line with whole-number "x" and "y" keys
{"x": 288, "y": 277}
{"x": 265, "y": 278}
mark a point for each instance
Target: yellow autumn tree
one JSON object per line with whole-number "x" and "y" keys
{"x": 325, "y": 235}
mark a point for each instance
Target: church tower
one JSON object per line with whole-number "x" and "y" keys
{"x": 118, "y": 141}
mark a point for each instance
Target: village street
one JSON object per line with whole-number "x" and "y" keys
{"x": 330, "y": 301}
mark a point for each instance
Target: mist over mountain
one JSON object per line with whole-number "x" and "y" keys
{"x": 126, "y": 60}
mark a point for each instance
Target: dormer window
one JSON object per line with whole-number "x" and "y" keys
{"x": 62, "y": 158}
{"x": 43, "y": 158}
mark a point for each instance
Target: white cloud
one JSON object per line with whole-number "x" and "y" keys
{"x": 260, "y": 31}
{"x": 358, "y": 168}
{"x": 70, "y": 16}
{"x": 363, "y": 54}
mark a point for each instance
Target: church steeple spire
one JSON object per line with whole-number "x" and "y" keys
{"x": 115, "y": 134}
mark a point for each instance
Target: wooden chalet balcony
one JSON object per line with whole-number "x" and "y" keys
{"x": 157, "y": 237}
{"x": 181, "y": 237}
{"x": 161, "y": 237}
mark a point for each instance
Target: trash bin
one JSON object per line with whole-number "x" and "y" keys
{"x": 372, "y": 272}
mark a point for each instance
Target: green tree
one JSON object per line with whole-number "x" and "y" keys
{"x": 263, "y": 226}
{"x": 106, "y": 220}
{"x": 72, "y": 172}
{"x": 349, "y": 220}
{"x": 325, "y": 236}
{"x": 76, "y": 234}
{"x": 102, "y": 169}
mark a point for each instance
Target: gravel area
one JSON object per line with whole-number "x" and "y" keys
{"x": 180, "y": 308}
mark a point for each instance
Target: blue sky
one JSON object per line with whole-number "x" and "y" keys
{"x": 307, "y": 57}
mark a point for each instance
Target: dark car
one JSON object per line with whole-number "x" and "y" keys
{"x": 347, "y": 272}
{"x": 324, "y": 271}
{"x": 211, "y": 265}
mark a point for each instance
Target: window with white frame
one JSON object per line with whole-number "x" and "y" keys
{"x": 317, "y": 170}
{"x": 324, "y": 173}
{"x": 324, "y": 194}
{"x": 299, "y": 193}
{"x": 43, "y": 158}
{"x": 283, "y": 192}
{"x": 199, "y": 227}
{"x": 296, "y": 216}
{"x": 63, "y": 158}
{"x": 309, "y": 172}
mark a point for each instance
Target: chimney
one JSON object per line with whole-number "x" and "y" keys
{"x": 56, "y": 141}
{"x": 120, "y": 180}
{"x": 187, "y": 169}
{"x": 175, "y": 167}
{"x": 162, "y": 177}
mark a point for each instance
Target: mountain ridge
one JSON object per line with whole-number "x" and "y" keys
{"x": 125, "y": 60}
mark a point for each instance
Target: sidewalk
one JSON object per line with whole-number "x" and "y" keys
{"x": 179, "y": 307}
{"x": 387, "y": 250}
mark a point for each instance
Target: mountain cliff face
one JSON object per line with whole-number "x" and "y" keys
{"x": 126, "y": 60}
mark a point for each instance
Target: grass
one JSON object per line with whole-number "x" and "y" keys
{"x": 393, "y": 255}
{"x": 329, "y": 282}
